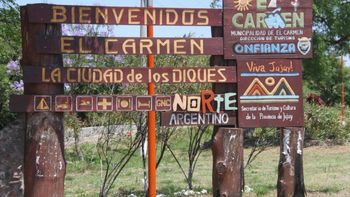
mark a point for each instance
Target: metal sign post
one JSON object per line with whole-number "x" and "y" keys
{"x": 152, "y": 135}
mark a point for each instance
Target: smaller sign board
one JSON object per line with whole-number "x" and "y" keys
{"x": 267, "y": 29}
{"x": 206, "y": 102}
{"x": 175, "y": 119}
{"x": 50, "y": 74}
{"x": 270, "y": 93}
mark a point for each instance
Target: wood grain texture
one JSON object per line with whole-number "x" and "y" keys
{"x": 44, "y": 163}
{"x": 290, "y": 181}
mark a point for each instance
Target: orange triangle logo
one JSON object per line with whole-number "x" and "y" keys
{"x": 42, "y": 105}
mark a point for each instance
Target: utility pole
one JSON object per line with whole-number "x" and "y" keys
{"x": 342, "y": 115}
{"x": 152, "y": 158}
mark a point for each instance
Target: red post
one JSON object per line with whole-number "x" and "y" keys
{"x": 152, "y": 146}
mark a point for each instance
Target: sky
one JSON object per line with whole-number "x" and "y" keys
{"x": 133, "y": 31}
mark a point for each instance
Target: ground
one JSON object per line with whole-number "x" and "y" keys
{"x": 326, "y": 172}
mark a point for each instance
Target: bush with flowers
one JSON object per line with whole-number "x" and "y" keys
{"x": 10, "y": 83}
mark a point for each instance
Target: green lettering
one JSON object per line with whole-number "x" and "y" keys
{"x": 235, "y": 20}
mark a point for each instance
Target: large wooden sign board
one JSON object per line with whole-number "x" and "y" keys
{"x": 52, "y": 74}
{"x": 267, "y": 29}
{"x": 270, "y": 93}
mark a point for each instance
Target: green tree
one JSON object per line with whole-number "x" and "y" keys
{"x": 10, "y": 31}
{"x": 331, "y": 39}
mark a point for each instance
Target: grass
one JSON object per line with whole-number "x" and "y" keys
{"x": 326, "y": 172}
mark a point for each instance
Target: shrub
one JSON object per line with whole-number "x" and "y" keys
{"x": 10, "y": 83}
{"x": 323, "y": 123}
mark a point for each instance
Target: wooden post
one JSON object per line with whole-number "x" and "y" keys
{"x": 228, "y": 162}
{"x": 227, "y": 145}
{"x": 290, "y": 169}
{"x": 44, "y": 163}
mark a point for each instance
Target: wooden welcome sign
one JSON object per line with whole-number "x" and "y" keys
{"x": 257, "y": 89}
{"x": 252, "y": 29}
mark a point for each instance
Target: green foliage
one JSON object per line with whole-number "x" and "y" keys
{"x": 331, "y": 20}
{"x": 322, "y": 74}
{"x": 323, "y": 123}
{"x": 331, "y": 38}
{"x": 10, "y": 33}
{"x": 10, "y": 39}
{"x": 5, "y": 89}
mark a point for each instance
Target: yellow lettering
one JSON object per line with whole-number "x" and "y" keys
{"x": 129, "y": 43}
{"x": 203, "y": 14}
{"x": 88, "y": 78}
{"x": 118, "y": 76}
{"x": 43, "y": 75}
{"x": 197, "y": 45}
{"x": 56, "y": 75}
{"x": 81, "y": 49}
{"x": 133, "y": 17}
{"x": 184, "y": 13}
{"x": 100, "y": 14}
{"x": 97, "y": 76}
{"x": 118, "y": 17}
{"x": 221, "y": 73}
{"x": 64, "y": 45}
{"x": 168, "y": 14}
{"x": 161, "y": 44}
{"x": 69, "y": 75}
{"x": 59, "y": 14}
{"x": 178, "y": 46}
{"x": 150, "y": 16}
{"x": 146, "y": 44}
{"x": 108, "y": 76}
{"x": 73, "y": 14}
{"x": 161, "y": 17}
{"x": 108, "y": 50}
{"x": 83, "y": 15}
